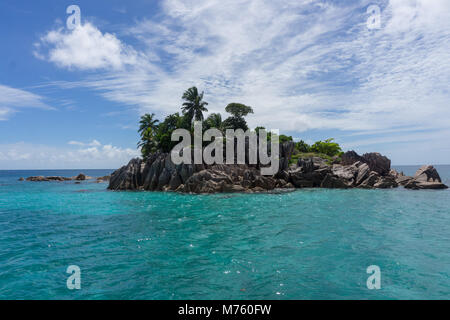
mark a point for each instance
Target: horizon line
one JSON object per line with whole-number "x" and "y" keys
{"x": 393, "y": 165}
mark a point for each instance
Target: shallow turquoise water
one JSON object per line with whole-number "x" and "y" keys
{"x": 309, "y": 244}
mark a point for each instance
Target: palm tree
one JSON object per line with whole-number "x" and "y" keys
{"x": 214, "y": 121}
{"x": 194, "y": 106}
{"x": 147, "y": 131}
{"x": 147, "y": 121}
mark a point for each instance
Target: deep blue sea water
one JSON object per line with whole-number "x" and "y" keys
{"x": 309, "y": 244}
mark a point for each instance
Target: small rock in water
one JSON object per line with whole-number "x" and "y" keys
{"x": 81, "y": 177}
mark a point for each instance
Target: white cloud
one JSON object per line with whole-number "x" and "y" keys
{"x": 89, "y": 156}
{"x": 302, "y": 65}
{"x": 94, "y": 143}
{"x": 12, "y": 99}
{"x": 85, "y": 48}
{"x": 4, "y": 112}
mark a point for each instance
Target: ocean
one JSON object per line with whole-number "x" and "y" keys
{"x": 307, "y": 244}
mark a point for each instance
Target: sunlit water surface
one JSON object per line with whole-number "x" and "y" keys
{"x": 309, "y": 244}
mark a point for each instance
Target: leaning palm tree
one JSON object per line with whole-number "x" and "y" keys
{"x": 194, "y": 106}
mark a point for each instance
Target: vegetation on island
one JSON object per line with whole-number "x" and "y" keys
{"x": 157, "y": 136}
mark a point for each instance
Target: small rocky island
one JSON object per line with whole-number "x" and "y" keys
{"x": 369, "y": 171}
{"x": 321, "y": 165}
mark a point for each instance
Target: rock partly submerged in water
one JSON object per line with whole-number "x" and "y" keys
{"x": 78, "y": 179}
{"x": 47, "y": 179}
{"x": 371, "y": 171}
{"x": 82, "y": 177}
{"x": 103, "y": 179}
{"x": 426, "y": 177}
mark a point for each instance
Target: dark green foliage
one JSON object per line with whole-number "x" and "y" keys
{"x": 166, "y": 128}
{"x": 258, "y": 129}
{"x": 194, "y": 106}
{"x": 147, "y": 121}
{"x": 148, "y": 144}
{"x": 284, "y": 138}
{"x": 156, "y": 136}
{"x": 235, "y": 123}
{"x": 213, "y": 121}
{"x": 295, "y": 157}
{"x": 238, "y": 110}
{"x": 327, "y": 147}
{"x": 324, "y": 149}
{"x": 147, "y": 131}
{"x": 302, "y": 146}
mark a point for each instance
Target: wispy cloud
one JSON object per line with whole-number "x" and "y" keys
{"x": 94, "y": 143}
{"x": 12, "y": 99}
{"x": 302, "y": 65}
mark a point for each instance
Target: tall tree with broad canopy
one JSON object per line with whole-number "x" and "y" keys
{"x": 238, "y": 112}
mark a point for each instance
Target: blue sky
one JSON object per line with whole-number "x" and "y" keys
{"x": 312, "y": 69}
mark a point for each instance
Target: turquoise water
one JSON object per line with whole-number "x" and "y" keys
{"x": 309, "y": 244}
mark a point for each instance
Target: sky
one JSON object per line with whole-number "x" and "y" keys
{"x": 72, "y": 98}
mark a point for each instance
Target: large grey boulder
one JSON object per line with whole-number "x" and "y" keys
{"x": 341, "y": 177}
{"x": 351, "y": 157}
{"x": 427, "y": 173}
{"x": 207, "y": 181}
{"x": 426, "y": 177}
{"x": 370, "y": 181}
{"x": 175, "y": 181}
{"x": 312, "y": 179}
{"x": 363, "y": 173}
{"x": 266, "y": 183}
{"x": 333, "y": 182}
{"x": 306, "y": 165}
{"x": 286, "y": 150}
{"x": 127, "y": 177}
{"x": 312, "y": 164}
{"x": 403, "y": 180}
{"x": 386, "y": 182}
{"x": 375, "y": 161}
{"x": 347, "y": 173}
{"x": 310, "y": 172}
{"x": 416, "y": 185}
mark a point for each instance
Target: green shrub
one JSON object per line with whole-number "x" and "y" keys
{"x": 302, "y": 146}
{"x": 295, "y": 157}
{"x": 327, "y": 147}
{"x": 284, "y": 138}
